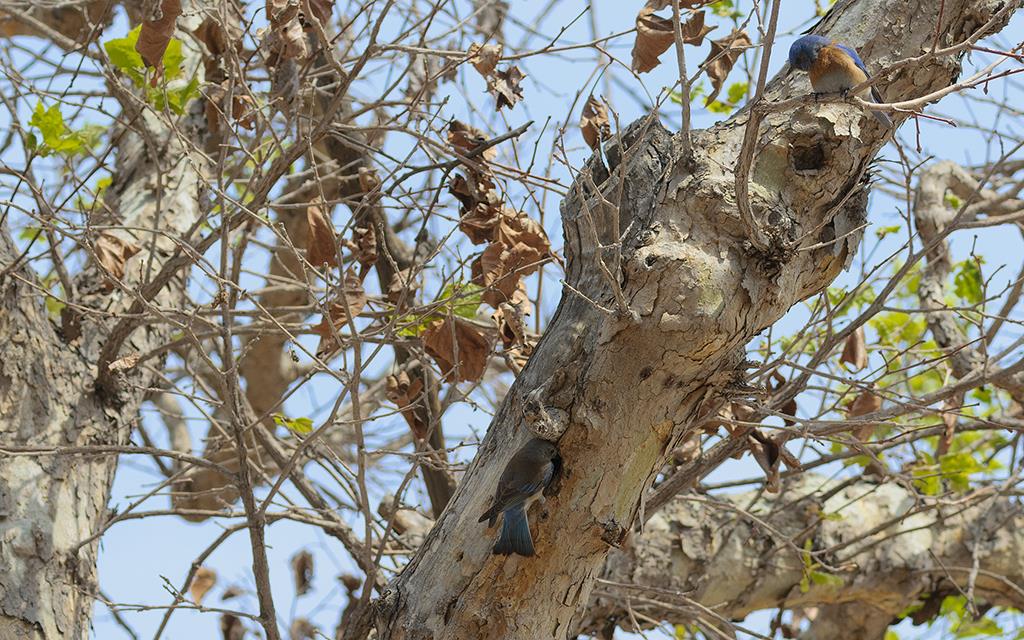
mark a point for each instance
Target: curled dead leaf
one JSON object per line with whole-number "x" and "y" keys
{"x": 369, "y": 181}
{"x": 364, "y": 246}
{"x": 112, "y": 252}
{"x": 504, "y": 86}
{"x": 155, "y": 35}
{"x": 484, "y": 58}
{"x": 202, "y": 582}
{"x": 321, "y": 241}
{"x": 302, "y": 629}
{"x": 403, "y": 287}
{"x": 321, "y": 9}
{"x": 594, "y": 123}
{"x": 950, "y": 409}
{"x": 302, "y": 572}
{"x": 465, "y": 138}
{"x": 722, "y": 57}
{"x": 285, "y": 37}
{"x": 244, "y": 110}
{"x": 520, "y": 246}
{"x": 355, "y": 297}
{"x": 865, "y": 403}
{"x": 405, "y": 393}
{"x": 459, "y": 349}
{"x": 654, "y": 35}
{"x": 855, "y": 350}
{"x": 231, "y": 628}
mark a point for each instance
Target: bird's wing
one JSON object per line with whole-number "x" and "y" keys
{"x": 850, "y": 51}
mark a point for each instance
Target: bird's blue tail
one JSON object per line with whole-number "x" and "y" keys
{"x": 515, "y": 533}
{"x": 881, "y": 116}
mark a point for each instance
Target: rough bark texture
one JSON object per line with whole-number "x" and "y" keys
{"x": 50, "y": 505}
{"x": 746, "y": 552}
{"x": 619, "y": 390}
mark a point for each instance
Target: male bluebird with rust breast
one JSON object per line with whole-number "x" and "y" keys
{"x": 833, "y": 67}
{"x": 524, "y": 477}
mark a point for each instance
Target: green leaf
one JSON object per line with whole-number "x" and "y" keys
{"x": 968, "y": 283}
{"x": 178, "y": 99}
{"x": 736, "y": 92}
{"x": 827, "y": 579}
{"x": 56, "y": 134}
{"x": 123, "y": 55}
{"x": 301, "y": 426}
{"x": 953, "y": 605}
{"x": 725, "y": 9}
{"x": 464, "y": 298}
{"x": 719, "y": 107}
{"x": 54, "y": 307}
{"x": 891, "y": 635}
{"x": 30, "y": 233}
{"x": 173, "y": 59}
{"x": 953, "y": 201}
{"x": 50, "y": 123}
{"x": 976, "y": 628}
{"x": 881, "y": 232}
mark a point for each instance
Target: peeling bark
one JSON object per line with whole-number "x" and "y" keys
{"x": 890, "y": 547}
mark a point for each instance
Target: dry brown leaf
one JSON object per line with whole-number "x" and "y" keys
{"x": 113, "y": 252}
{"x": 458, "y": 348}
{"x": 789, "y": 409}
{"x": 302, "y": 629}
{"x": 356, "y": 297}
{"x": 202, "y": 582}
{"x": 321, "y": 9}
{"x": 405, "y": 393}
{"x": 231, "y": 592}
{"x": 865, "y": 403}
{"x": 855, "y": 350}
{"x": 484, "y": 58}
{"x": 364, "y": 246}
{"x": 231, "y": 628}
{"x": 724, "y": 54}
{"x": 594, "y": 123}
{"x": 218, "y": 40}
{"x": 321, "y": 241}
{"x": 654, "y": 35}
{"x": 504, "y": 86}
{"x": 480, "y": 222}
{"x": 156, "y": 34}
{"x": 403, "y": 286}
{"x": 285, "y": 37}
{"x": 949, "y": 417}
{"x": 369, "y": 181}
{"x": 243, "y": 110}
{"x": 465, "y": 138}
{"x": 302, "y": 572}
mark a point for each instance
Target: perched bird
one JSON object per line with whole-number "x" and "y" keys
{"x": 524, "y": 477}
{"x": 833, "y": 67}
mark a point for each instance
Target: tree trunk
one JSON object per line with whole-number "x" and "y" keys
{"x": 619, "y": 388}
{"x": 52, "y": 507}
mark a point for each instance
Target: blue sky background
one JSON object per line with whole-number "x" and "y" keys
{"x": 139, "y": 558}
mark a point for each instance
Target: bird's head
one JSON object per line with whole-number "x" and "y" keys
{"x": 805, "y": 51}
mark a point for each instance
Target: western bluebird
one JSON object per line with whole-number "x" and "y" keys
{"x": 524, "y": 477}
{"x": 833, "y": 67}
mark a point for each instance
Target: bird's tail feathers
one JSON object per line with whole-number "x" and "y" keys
{"x": 881, "y": 116}
{"x": 491, "y": 515}
{"x": 515, "y": 533}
